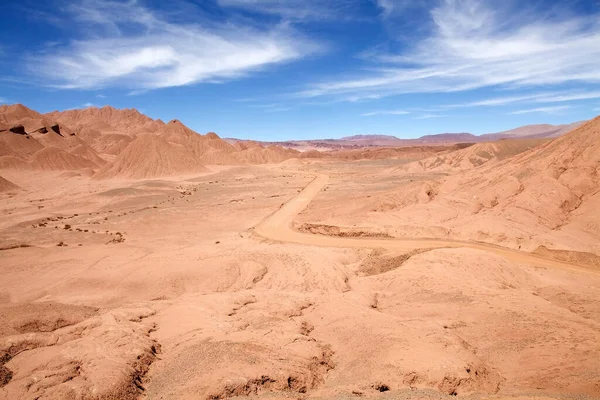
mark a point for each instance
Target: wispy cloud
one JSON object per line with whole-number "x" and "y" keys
{"x": 391, "y": 7}
{"x": 548, "y": 97}
{"x": 132, "y": 46}
{"x": 278, "y": 109}
{"x": 502, "y": 101}
{"x": 481, "y": 43}
{"x": 430, "y": 116}
{"x": 84, "y": 105}
{"x": 273, "y": 107}
{"x": 544, "y": 110}
{"x": 385, "y": 112}
{"x": 561, "y": 97}
{"x": 387, "y": 6}
{"x": 295, "y": 9}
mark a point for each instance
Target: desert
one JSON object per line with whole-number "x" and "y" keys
{"x": 136, "y": 270}
{"x": 299, "y": 199}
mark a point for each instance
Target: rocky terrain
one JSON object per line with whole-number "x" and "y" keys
{"x": 141, "y": 260}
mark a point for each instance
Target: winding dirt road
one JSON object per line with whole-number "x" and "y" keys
{"x": 279, "y": 227}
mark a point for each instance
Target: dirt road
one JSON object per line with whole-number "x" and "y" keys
{"x": 279, "y": 227}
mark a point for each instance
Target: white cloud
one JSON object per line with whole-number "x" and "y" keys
{"x": 84, "y": 105}
{"x": 548, "y": 97}
{"x": 387, "y": 6}
{"x": 277, "y": 109}
{"x": 391, "y": 7}
{"x": 294, "y": 9}
{"x": 135, "y": 48}
{"x": 100, "y": 96}
{"x": 557, "y": 98}
{"x": 273, "y": 107}
{"x": 386, "y": 112}
{"x": 270, "y": 105}
{"x": 545, "y": 110}
{"x": 430, "y": 116}
{"x": 501, "y": 101}
{"x": 3, "y": 100}
{"x": 477, "y": 44}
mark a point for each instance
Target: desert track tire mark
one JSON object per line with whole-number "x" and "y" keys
{"x": 279, "y": 227}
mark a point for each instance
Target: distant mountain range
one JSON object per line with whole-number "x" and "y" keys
{"x": 534, "y": 131}
{"x": 357, "y": 141}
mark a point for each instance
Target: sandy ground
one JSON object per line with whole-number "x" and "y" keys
{"x": 384, "y": 198}
{"x": 202, "y": 287}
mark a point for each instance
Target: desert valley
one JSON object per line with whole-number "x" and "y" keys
{"x": 142, "y": 260}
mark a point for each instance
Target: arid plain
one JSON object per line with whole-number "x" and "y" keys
{"x": 142, "y": 260}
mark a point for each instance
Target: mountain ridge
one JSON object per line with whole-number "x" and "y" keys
{"x": 536, "y": 131}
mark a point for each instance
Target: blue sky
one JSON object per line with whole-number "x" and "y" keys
{"x": 301, "y": 69}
